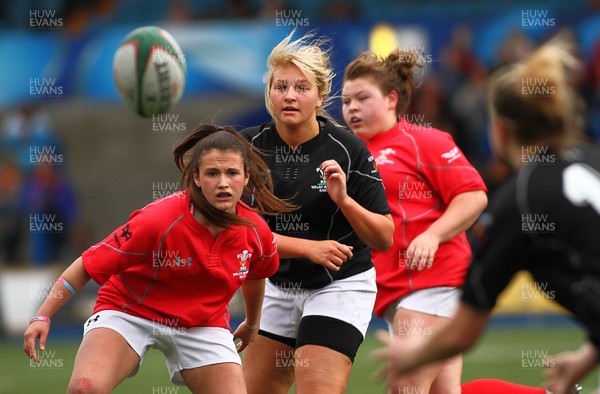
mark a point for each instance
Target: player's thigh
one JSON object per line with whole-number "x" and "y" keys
{"x": 447, "y": 380}
{"x": 104, "y": 359}
{"x": 224, "y": 378}
{"x": 419, "y": 327}
{"x": 268, "y": 366}
{"x": 319, "y": 369}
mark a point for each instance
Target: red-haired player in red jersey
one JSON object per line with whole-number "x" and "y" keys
{"x": 434, "y": 194}
{"x": 168, "y": 274}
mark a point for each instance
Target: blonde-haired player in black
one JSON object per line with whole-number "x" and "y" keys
{"x": 546, "y": 219}
{"x": 318, "y": 305}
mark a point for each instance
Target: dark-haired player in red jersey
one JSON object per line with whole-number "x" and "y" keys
{"x": 545, "y": 219}
{"x": 168, "y": 274}
{"x": 434, "y": 194}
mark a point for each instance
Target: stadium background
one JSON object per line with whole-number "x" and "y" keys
{"x": 56, "y": 82}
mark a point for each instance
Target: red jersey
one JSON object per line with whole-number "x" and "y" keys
{"x": 422, "y": 170}
{"x": 163, "y": 265}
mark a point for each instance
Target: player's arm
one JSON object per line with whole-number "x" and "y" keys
{"x": 328, "y": 253}
{"x": 374, "y": 229}
{"x": 75, "y": 277}
{"x": 461, "y": 213}
{"x": 403, "y": 355}
{"x": 253, "y": 292}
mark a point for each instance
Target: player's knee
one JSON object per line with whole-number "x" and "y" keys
{"x": 84, "y": 385}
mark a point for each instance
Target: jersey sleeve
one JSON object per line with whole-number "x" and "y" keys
{"x": 445, "y": 166}
{"x": 498, "y": 252}
{"x": 250, "y": 132}
{"x": 267, "y": 263}
{"x": 129, "y": 245}
{"x": 365, "y": 184}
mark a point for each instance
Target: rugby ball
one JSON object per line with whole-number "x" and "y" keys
{"x": 149, "y": 70}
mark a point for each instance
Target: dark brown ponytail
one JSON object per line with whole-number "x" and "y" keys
{"x": 188, "y": 153}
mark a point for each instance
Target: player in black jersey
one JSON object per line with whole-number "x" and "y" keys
{"x": 546, "y": 219}
{"x": 318, "y": 305}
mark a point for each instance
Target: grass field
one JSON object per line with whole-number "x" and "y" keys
{"x": 508, "y": 353}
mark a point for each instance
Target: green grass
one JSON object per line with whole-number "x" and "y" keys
{"x": 498, "y": 355}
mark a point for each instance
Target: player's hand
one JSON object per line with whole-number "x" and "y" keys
{"x": 335, "y": 178}
{"x": 37, "y": 329}
{"x": 567, "y": 368}
{"x": 328, "y": 253}
{"x": 394, "y": 355}
{"x": 246, "y": 334}
{"x": 421, "y": 251}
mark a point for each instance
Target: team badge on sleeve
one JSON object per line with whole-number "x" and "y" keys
{"x": 452, "y": 154}
{"x": 124, "y": 234}
{"x": 383, "y": 157}
{"x": 244, "y": 258}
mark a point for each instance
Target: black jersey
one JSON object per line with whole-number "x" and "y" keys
{"x": 296, "y": 175}
{"x": 545, "y": 220}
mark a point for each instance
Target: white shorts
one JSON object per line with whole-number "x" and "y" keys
{"x": 437, "y": 301}
{"x": 183, "y": 348}
{"x": 350, "y": 300}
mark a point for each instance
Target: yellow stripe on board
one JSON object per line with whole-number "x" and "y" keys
{"x": 523, "y": 295}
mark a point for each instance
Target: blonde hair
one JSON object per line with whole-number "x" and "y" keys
{"x": 401, "y": 71}
{"x": 311, "y": 57}
{"x": 534, "y": 97}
